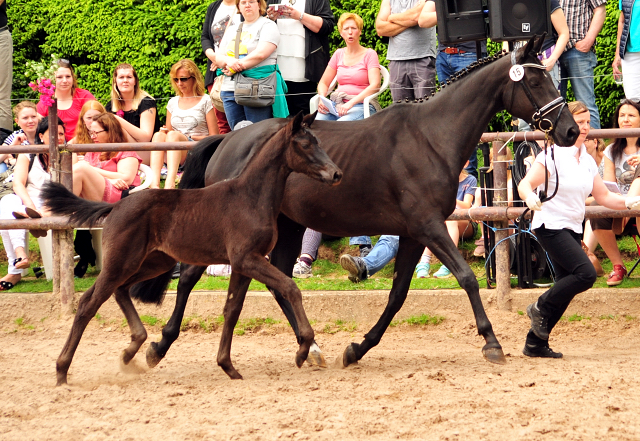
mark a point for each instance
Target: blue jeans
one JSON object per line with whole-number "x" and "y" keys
{"x": 577, "y": 67}
{"x": 354, "y": 114}
{"x": 448, "y": 64}
{"x": 236, "y": 113}
{"x": 360, "y": 240}
{"x": 386, "y": 249}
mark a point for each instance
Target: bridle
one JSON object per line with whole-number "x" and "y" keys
{"x": 539, "y": 116}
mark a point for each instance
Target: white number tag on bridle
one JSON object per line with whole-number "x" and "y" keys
{"x": 516, "y": 73}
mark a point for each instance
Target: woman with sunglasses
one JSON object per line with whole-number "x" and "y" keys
{"x": 620, "y": 165}
{"x": 136, "y": 109}
{"x": 29, "y": 175}
{"x": 90, "y": 110}
{"x": 256, "y": 58}
{"x": 70, "y": 98}
{"x": 190, "y": 117}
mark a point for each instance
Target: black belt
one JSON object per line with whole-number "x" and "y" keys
{"x": 4, "y": 28}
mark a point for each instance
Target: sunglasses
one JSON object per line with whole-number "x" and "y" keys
{"x": 181, "y": 80}
{"x": 633, "y": 100}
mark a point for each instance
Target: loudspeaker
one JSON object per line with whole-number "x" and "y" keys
{"x": 518, "y": 19}
{"x": 460, "y": 21}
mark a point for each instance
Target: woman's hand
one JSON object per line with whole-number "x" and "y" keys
{"x": 549, "y": 63}
{"x": 118, "y": 183}
{"x": 322, "y": 108}
{"x": 634, "y": 160}
{"x": 344, "y": 108}
{"x": 19, "y": 139}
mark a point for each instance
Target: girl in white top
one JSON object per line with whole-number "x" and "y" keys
{"x": 557, "y": 224}
{"x": 190, "y": 117}
{"x": 29, "y": 176}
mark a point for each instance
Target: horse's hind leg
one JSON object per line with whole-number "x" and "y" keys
{"x": 445, "y": 250}
{"x": 138, "y": 332}
{"x": 409, "y": 252}
{"x": 88, "y": 305}
{"x": 238, "y": 285}
{"x": 189, "y": 276}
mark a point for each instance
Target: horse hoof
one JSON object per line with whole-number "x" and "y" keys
{"x": 61, "y": 380}
{"x": 494, "y": 355}
{"x": 153, "y": 358}
{"x": 233, "y": 374}
{"x": 315, "y": 357}
{"x": 349, "y": 356}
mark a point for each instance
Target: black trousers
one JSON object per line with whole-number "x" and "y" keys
{"x": 298, "y": 96}
{"x": 574, "y": 274}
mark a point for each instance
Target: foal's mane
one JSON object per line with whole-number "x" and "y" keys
{"x": 461, "y": 74}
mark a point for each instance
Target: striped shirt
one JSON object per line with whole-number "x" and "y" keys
{"x": 11, "y": 137}
{"x": 579, "y": 14}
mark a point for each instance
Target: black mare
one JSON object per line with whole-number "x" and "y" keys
{"x": 400, "y": 173}
{"x": 146, "y": 227}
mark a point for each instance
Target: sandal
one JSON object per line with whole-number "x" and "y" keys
{"x": 20, "y": 215}
{"x": 5, "y": 286}
{"x": 21, "y": 262}
{"x": 33, "y": 214}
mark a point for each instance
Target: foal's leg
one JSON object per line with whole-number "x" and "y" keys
{"x": 138, "y": 332}
{"x": 256, "y": 267}
{"x": 283, "y": 257}
{"x": 88, "y": 305}
{"x": 409, "y": 252}
{"x": 238, "y": 286}
{"x": 445, "y": 250}
{"x": 189, "y": 276}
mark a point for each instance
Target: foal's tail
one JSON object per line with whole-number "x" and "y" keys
{"x": 197, "y": 161}
{"x": 61, "y": 201}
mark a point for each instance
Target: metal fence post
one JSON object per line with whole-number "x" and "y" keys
{"x": 500, "y": 199}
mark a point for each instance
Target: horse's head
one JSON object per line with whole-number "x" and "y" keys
{"x": 535, "y": 98}
{"x": 304, "y": 154}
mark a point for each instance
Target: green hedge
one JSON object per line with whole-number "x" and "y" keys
{"x": 96, "y": 35}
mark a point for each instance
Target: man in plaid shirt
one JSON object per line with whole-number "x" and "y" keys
{"x": 585, "y": 19}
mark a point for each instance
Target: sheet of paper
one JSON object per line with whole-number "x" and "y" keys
{"x": 329, "y": 105}
{"x": 612, "y": 186}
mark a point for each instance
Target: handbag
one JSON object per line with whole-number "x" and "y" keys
{"x": 253, "y": 92}
{"x": 216, "y": 100}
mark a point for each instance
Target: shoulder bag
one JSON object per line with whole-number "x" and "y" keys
{"x": 216, "y": 100}
{"x": 254, "y": 92}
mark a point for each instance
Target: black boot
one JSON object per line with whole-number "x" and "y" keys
{"x": 83, "y": 247}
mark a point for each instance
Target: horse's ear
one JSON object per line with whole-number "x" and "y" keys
{"x": 527, "y": 49}
{"x": 539, "y": 39}
{"x": 309, "y": 119}
{"x": 296, "y": 123}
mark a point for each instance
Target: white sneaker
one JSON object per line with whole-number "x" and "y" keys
{"x": 301, "y": 270}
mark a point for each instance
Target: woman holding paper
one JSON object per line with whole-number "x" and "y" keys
{"x": 358, "y": 71}
{"x": 620, "y": 161}
{"x": 557, "y": 224}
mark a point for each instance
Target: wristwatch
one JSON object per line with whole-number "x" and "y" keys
{"x": 301, "y": 15}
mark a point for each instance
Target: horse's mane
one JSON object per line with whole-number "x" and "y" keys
{"x": 462, "y": 73}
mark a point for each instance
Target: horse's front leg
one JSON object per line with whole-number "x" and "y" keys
{"x": 283, "y": 257}
{"x": 444, "y": 249}
{"x": 256, "y": 267}
{"x": 409, "y": 252}
{"x": 238, "y": 285}
{"x": 189, "y": 276}
{"x": 138, "y": 332}
{"x": 88, "y": 306}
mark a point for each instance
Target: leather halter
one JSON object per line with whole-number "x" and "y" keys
{"x": 539, "y": 116}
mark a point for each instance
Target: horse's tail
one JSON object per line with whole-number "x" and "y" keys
{"x": 62, "y": 202}
{"x": 197, "y": 161}
{"x": 152, "y": 290}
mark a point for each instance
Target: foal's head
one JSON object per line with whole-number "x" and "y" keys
{"x": 534, "y": 97}
{"x": 303, "y": 152}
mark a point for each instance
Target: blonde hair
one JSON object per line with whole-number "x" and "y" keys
{"x": 194, "y": 72}
{"x": 350, "y": 16}
{"x": 23, "y": 105}
{"x": 263, "y": 7}
{"x": 82, "y": 133}
{"x": 577, "y": 107}
{"x": 117, "y": 103}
